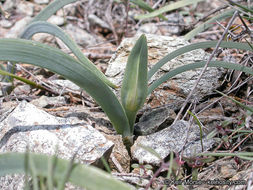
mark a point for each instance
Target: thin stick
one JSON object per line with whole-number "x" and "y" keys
{"x": 207, "y": 63}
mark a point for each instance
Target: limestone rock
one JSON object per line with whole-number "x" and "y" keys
{"x": 177, "y": 88}
{"x": 27, "y": 124}
{"x": 18, "y": 27}
{"x": 80, "y": 36}
{"x": 26, "y": 7}
{"x": 45, "y": 101}
{"x": 5, "y": 23}
{"x": 66, "y": 84}
{"x": 170, "y": 139}
{"x": 41, "y": 1}
{"x": 57, "y": 20}
{"x": 43, "y": 132}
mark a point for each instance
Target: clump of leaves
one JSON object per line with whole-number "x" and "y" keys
{"x": 135, "y": 89}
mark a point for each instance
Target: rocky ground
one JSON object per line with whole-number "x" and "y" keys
{"x": 66, "y": 116}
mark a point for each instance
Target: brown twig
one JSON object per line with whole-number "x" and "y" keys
{"x": 108, "y": 14}
{"x": 206, "y": 65}
{"x": 238, "y": 144}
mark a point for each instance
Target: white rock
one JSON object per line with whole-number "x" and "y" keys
{"x": 57, "y": 20}
{"x": 45, "y": 101}
{"x": 41, "y": 1}
{"x": 66, "y": 84}
{"x": 25, "y": 7}
{"x": 5, "y": 23}
{"x": 27, "y": 125}
{"x": 97, "y": 21}
{"x": 18, "y": 27}
{"x": 80, "y": 36}
{"x": 173, "y": 138}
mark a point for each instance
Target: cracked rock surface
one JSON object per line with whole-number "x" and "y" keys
{"x": 173, "y": 138}
{"x": 27, "y": 125}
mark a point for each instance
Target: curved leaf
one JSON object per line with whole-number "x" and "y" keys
{"x": 182, "y": 50}
{"x": 51, "y": 9}
{"x": 45, "y": 27}
{"x": 168, "y": 8}
{"x": 82, "y": 175}
{"x": 146, "y": 7}
{"x": 134, "y": 86}
{"x": 196, "y": 65}
{"x": 35, "y": 53}
{"x": 209, "y": 23}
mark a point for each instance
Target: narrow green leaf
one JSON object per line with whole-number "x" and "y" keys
{"x": 196, "y": 65}
{"x": 33, "y": 84}
{"x": 188, "y": 48}
{"x": 226, "y": 154}
{"x": 134, "y": 85}
{"x": 51, "y": 9}
{"x": 33, "y": 171}
{"x": 200, "y": 129}
{"x": 209, "y": 23}
{"x": 83, "y": 176}
{"x": 246, "y": 9}
{"x": 168, "y": 8}
{"x": 146, "y": 7}
{"x": 45, "y": 27}
{"x": 35, "y": 53}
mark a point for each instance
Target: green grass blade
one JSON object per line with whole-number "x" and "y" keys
{"x": 200, "y": 129}
{"x": 188, "y": 48}
{"x": 168, "y": 8}
{"x": 246, "y": 9}
{"x": 196, "y": 65}
{"x": 84, "y": 176}
{"x": 21, "y": 79}
{"x": 33, "y": 171}
{"x": 209, "y": 23}
{"x": 38, "y": 54}
{"x": 146, "y": 7}
{"x": 227, "y": 154}
{"x": 134, "y": 85}
{"x": 51, "y": 9}
{"x": 45, "y": 27}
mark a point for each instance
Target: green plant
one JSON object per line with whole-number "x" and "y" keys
{"x": 122, "y": 113}
{"x": 54, "y": 172}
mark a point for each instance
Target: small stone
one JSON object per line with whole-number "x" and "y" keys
{"x": 67, "y": 84}
{"x": 80, "y": 36}
{"x": 18, "y": 27}
{"x": 174, "y": 25}
{"x": 6, "y": 88}
{"x": 42, "y": 37}
{"x": 45, "y": 101}
{"x": 25, "y": 7}
{"x": 148, "y": 28}
{"x": 9, "y": 4}
{"x": 154, "y": 120}
{"x": 41, "y": 1}
{"x": 170, "y": 139}
{"x": 97, "y": 21}
{"x": 22, "y": 89}
{"x": 57, "y": 20}
{"x": 5, "y": 23}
